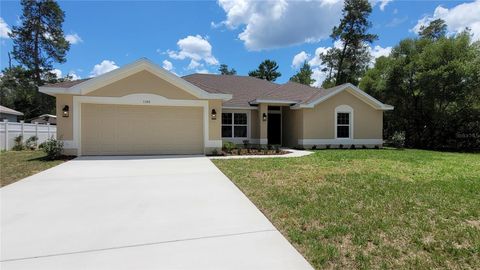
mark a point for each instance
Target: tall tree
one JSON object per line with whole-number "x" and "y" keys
{"x": 434, "y": 30}
{"x": 434, "y": 86}
{"x": 225, "y": 71}
{"x": 267, "y": 70}
{"x": 18, "y": 91}
{"x": 39, "y": 40}
{"x": 304, "y": 75}
{"x": 349, "y": 62}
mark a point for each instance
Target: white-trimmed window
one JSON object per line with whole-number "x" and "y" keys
{"x": 343, "y": 122}
{"x": 234, "y": 125}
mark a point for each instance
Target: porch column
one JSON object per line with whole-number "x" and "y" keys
{"x": 263, "y": 109}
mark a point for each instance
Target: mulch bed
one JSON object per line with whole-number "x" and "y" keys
{"x": 252, "y": 152}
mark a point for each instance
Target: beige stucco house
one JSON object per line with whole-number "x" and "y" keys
{"x": 143, "y": 109}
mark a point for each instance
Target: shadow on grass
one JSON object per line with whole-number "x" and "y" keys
{"x": 46, "y": 159}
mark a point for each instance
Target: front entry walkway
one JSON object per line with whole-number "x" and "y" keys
{"x": 137, "y": 213}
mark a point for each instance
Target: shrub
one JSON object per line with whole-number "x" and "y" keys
{"x": 277, "y": 148}
{"x": 328, "y": 146}
{"x": 19, "y": 146}
{"x": 214, "y": 152}
{"x": 31, "y": 143}
{"x": 53, "y": 148}
{"x": 377, "y": 147}
{"x": 340, "y": 146}
{"x": 41, "y": 146}
{"x": 246, "y": 144}
{"x": 269, "y": 147}
{"x": 398, "y": 139}
{"x": 229, "y": 146}
{"x": 314, "y": 147}
{"x": 364, "y": 146}
{"x": 352, "y": 146}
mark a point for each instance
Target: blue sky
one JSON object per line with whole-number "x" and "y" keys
{"x": 196, "y": 36}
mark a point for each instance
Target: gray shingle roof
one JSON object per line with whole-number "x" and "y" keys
{"x": 244, "y": 89}
{"x": 66, "y": 84}
{"x": 6, "y": 110}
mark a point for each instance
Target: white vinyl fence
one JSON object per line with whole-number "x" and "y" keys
{"x": 10, "y": 130}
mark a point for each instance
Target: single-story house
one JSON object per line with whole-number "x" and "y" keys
{"x": 45, "y": 119}
{"x": 142, "y": 108}
{"x": 9, "y": 114}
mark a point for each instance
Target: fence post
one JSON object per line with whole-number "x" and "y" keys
{"x": 22, "y": 128}
{"x": 48, "y": 130}
{"x": 5, "y": 121}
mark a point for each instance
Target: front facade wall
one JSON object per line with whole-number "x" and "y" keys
{"x": 64, "y": 124}
{"x": 319, "y": 122}
{"x": 142, "y": 82}
{"x": 291, "y": 123}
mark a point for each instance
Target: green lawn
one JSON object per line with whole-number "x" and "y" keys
{"x": 16, "y": 165}
{"x": 371, "y": 208}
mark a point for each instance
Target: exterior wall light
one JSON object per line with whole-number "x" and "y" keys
{"x": 65, "y": 111}
{"x": 214, "y": 114}
{"x": 264, "y": 117}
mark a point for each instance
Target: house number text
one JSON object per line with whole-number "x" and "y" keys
{"x": 146, "y": 101}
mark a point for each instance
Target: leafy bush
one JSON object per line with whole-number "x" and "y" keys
{"x": 340, "y": 146}
{"x": 229, "y": 146}
{"x": 364, "y": 146}
{"x": 246, "y": 144}
{"x": 41, "y": 146}
{"x": 277, "y": 148}
{"x": 31, "y": 143}
{"x": 53, "y": 148}
{"x": 398, "y": 139}
{"x": 269, "y": 147}
{"x": 19, "y": 146}
{"x": 328, "y": 146}
{"x": 352, "y": 146}
{"x": 314, "y": 147}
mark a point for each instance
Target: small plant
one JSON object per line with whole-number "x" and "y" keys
{"x": 314, "y": 147}
{"x": 340, "y": 146}
{"x": 269, "y": 147}
{"x": 246, "y": 144}
{"x": 352, "y": 146}
{"x": 19, "y": 146}
{"x": 229, "y": 146}
{"x": 398, "y": 139}
{"x": 277, "y": 148}
{"x": 376, "y": 147}
{"x": 31, "y": 143}
{"x": 364, "y": 146}
{"x": 53, "y": 148}
{"x": 328, "y": 146}
{"x": 41, "y": 146}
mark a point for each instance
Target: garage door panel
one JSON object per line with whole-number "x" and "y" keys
{"x": 136, "y": 130}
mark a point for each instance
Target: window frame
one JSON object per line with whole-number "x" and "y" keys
{"x": 344, "y": 109}
{"x": 233, "y": 125}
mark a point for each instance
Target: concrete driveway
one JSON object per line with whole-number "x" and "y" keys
{"x": 137, "y": 213}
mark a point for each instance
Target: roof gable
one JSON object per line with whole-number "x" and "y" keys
{"x": 355, "y": 91}
{"x": 87, "y": 86}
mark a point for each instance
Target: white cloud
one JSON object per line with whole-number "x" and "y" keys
{"x": 384, "y": 3}
{"x": 57, "y": 72}
{"x": 104, "y": 67}
{"x": 74, "y": 76}
{"x": 167, "y": 65}
{"x": 378, "y": 51}
{"x": 4, "y": 29}
{"x": 316, "y": 63}
{"x": 299, "y": 58}
{"x": 73, "y": 38}
{"x": 197, "y": 49}
{"x": 202, "y": 71}
{"x": 280, "y": 23}
{"x": 457, "y": 18}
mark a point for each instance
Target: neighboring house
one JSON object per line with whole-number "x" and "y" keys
{"x": 143, "y": 109}
{"x": 9, "y": 114}
{"x": 45, "y": 119}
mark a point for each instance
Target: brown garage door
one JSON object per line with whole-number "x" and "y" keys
{"x": 141, "y": 130}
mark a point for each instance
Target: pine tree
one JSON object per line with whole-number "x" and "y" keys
{"x": 39, "y": 40}
{"x": 350, "y": 61}
{"x": 267, "y": 70}
{"x": 225, "y": 71}
{"x": 304, "y": 75}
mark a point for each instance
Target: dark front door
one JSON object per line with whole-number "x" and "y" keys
{"x": 274, "y": 128}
